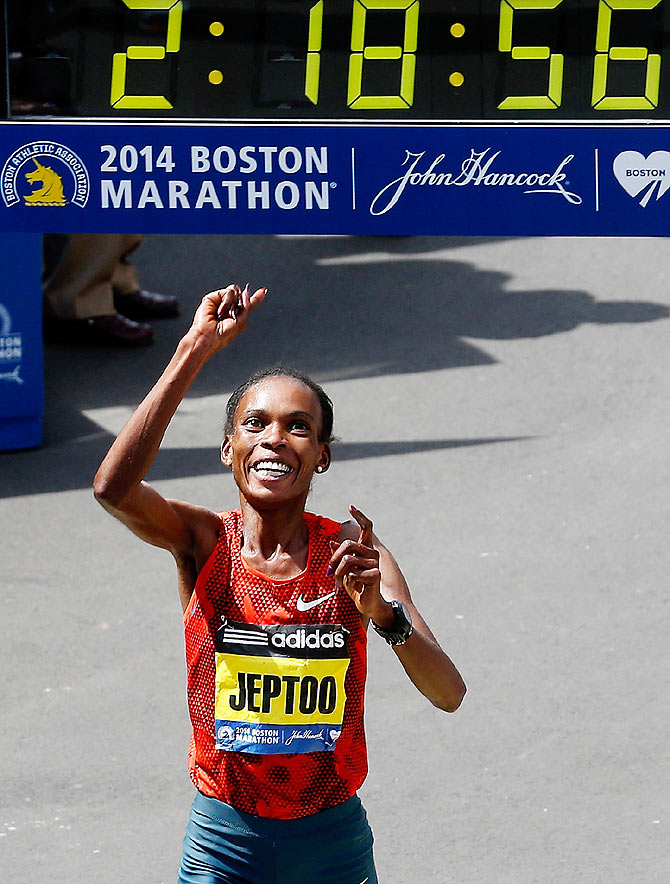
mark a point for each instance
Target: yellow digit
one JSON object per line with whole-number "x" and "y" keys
{"x": 405, "y": 54}
{"x": 554, "y": 94}
{"x": 313, "y": 66}
{"x": 118, "y": 98}
{"x": 606, "y": 53}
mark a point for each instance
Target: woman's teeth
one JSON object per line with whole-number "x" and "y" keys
{"x": 272, "y": 467}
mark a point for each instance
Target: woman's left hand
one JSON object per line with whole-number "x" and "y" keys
{"x": 356, "y": 568}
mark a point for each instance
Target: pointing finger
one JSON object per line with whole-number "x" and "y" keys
{"x": 365, "y": 535}
{"x": 257, "y": 297}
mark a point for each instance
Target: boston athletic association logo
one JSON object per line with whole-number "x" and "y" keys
{"x": 45, "y": 173}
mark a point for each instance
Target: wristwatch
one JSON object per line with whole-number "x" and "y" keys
{"x": 403, "y": 625}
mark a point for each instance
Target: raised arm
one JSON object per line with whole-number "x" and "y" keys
{"x": 371, "y": 576}
{"x": 119, "y": 483}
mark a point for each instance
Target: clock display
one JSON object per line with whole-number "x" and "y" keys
{"x": 347, "y": 60}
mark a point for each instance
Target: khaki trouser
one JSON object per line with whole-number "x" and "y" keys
{"x": 92, "y": 265}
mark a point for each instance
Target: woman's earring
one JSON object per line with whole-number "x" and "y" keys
{"x": 319, "y": 469}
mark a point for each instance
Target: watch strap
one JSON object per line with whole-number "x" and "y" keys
{"x": 403, "y": 625}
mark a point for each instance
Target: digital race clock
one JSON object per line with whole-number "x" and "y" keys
{"x": 470, "y": 117}
{"x": 404, "y": 60}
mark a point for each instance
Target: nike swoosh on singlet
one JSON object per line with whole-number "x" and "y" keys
{"x": 303, "y": 606}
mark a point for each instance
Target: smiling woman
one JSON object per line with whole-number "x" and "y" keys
{"x": 275, "y": 439}
{"x": 277, "y": 602}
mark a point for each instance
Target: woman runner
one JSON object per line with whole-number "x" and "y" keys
{"x": 276, "y": 605}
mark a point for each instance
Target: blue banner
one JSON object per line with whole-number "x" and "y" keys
{"x": 21, "y": 358}
{"x": 577, "y": 180}
{"x": 268, "y": 739}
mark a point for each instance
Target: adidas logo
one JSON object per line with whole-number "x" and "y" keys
{"x": 302, "y": 639}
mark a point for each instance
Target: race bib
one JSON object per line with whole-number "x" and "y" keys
{"x": 280, "y": 689}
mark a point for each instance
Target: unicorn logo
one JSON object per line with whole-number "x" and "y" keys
{"x": 51, "y": 191}
{"x": 57, "y": 174}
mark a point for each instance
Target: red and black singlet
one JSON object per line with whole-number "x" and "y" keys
{"x": 269, "y": 663}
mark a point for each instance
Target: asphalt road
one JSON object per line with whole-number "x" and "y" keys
{"x": 502, "y": 409}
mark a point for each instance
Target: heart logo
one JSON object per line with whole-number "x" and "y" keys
{"x": 636, "y": 173}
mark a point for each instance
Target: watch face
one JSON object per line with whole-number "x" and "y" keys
{"x": 341, "y": 60}
{"x": 401, "y": 611}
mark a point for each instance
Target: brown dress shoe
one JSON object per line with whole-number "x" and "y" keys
{"x": 113, "y": 330}
{"x": 146, "y": 305}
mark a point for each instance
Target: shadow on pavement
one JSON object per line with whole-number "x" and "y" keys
{"x": 338, "y": 308}
{"x": 38, "y": 472}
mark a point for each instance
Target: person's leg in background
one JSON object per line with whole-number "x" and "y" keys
{"x": 94, "y": 271}
{"x": 130, "y": 299}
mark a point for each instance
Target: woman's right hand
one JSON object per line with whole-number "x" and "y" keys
{"x": 223, "y": 314}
